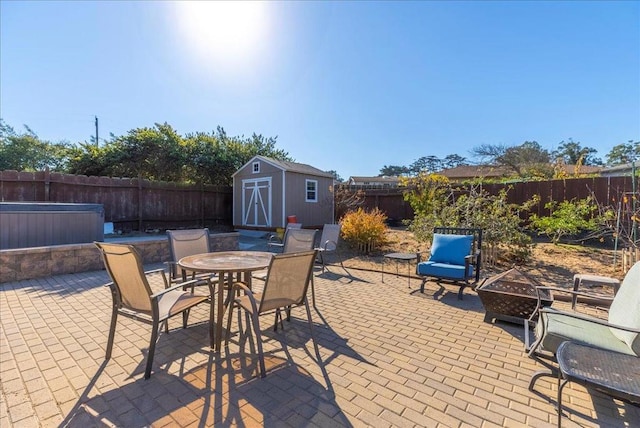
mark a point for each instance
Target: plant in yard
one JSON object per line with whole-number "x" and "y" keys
{"x": 364, "y": 230}
{"x": 500, "y": 221}
{"x": 567, "y": 218}
{"x": 437, "y": 203}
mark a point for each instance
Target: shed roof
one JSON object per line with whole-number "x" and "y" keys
{"x": 301, "y": 168}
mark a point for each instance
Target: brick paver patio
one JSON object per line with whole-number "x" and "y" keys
{"x": 390, "y": 356}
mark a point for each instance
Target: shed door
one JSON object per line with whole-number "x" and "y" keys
{"x": 256, "y": 202}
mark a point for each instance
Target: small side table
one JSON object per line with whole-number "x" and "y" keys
{"x": 398, "y": 257}
{"x": 609, "y": 372}
{"x": 581, "y": 279}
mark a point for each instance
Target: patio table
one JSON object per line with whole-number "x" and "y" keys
{"x": 225, "y": 264}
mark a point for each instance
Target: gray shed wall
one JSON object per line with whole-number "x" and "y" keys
{"x": 310, "y": 214}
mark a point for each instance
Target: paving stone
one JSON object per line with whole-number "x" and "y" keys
{"x": 388, "y": 358}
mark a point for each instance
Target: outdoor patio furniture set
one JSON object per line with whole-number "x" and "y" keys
{"x": 194, "y": 267}
{"x": 600, "y": 354}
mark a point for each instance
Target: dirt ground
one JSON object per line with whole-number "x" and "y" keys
{"x": 550, "y": 264}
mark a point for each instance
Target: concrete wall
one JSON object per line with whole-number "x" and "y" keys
{"x": 41, "y": 262}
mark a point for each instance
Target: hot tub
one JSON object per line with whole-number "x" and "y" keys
{"x": 38, "y": 224}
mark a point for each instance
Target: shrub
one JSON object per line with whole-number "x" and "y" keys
{"x": 364, "y": 230}
{"x": 567, "y": 218}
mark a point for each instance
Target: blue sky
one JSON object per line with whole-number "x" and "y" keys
{"x": 344, "y": 86}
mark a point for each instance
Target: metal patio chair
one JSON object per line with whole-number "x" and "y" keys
{"x": 133, "y": 297}
{"x": 285, "y": 287}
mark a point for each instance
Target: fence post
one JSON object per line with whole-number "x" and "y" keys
{"x": 140, "y": 203}
{"x": 47, "y": 184}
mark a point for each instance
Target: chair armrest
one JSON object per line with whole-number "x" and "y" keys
{"x": 247, "y": 291}
{"x": 539, "y": 306}
{"x": 326, "y": 244}
{"x": 162, "y": 272}
{"x": 179, "y": 287}
{"x": 571, "y": 292}
{"x": 591, "y": 319}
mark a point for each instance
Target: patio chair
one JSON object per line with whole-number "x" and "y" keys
{"x": 286, "y": 286}
{"x": 455, "y": 257}
{"x": 295, "y": 241}
{"x": 278, "y": 242}
{"x": 620, "y": 332}
{"x": 133, "y": 297}
{"x": 183, "y": 243}
{"x": 329, "y": 242}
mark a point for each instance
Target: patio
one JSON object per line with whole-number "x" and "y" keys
{"x": 390, "y": 356}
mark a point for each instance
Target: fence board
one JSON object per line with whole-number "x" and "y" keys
{"x": 132, "y": 204}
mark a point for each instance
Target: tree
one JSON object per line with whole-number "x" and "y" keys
{"x": 160, "y": 153}
{"x": 528, "y": 160}
{"x": 572, "y": 153}
{"x": 425, "y": 164}
{"x": 452, "y": 161}
{"x": 393, "y": 171}
{"x": 336, "y": 176}
{"x": 623, "y": 153}
{"x": 27, "y": 152}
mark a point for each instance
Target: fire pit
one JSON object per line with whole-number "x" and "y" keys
{"x": 510, "y": 296}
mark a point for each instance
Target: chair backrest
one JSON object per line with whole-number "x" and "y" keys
{"x": 476, "y": 245}
{"x": 297, "y": 240}
{"x": 183, "y": 243}
{"x": 124, "y": 265}
{"x": 287, "y": 281}
{"x": 625, "y": 308}
{"x": 330, "y": 237}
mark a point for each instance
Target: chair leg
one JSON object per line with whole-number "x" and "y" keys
{"x": 112, "y": 332}
{"x": 537, "y": 375}
{"x": 313, "y": 291}
{"x": 229, "y": 319}
{"x": 561, "y": 385}
{"x": 424, "y": 280}
{"x": 460, "y": 291}
{"x": 255, "y": 321}
{"x": 315, "y": 344}
{"x": 152, "y": 347}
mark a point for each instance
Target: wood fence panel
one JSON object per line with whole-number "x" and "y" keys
{"x": 130, "y": 202}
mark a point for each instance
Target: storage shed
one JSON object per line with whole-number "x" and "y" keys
{"x": 267, "y": 192}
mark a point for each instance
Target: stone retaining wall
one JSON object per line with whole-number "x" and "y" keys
{"x": 41, "y": 262}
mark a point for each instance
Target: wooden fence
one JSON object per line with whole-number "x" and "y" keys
{"x": 606, "y": 190}
{"x": 137, "y": 204}
{"x": 130, "y": 203}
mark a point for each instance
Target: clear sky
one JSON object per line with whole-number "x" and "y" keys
{"x": 344, "y": 86}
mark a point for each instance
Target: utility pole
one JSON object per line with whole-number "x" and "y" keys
{"x": 97, "y": 143}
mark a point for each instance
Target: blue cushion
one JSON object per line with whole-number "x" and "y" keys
{"x": 444, "y": 270}
{"x": 450, "y": 249}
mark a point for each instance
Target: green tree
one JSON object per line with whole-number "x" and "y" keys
{"x": 567, "y": 218}
{"x": 426, "y": 164}
{"x": 528, "y": 160}
{"x": 452, "y": 161}
{"x": 572, "y": 153}
{"x": 393, "y": 171}
{"x": 623, "y": 153}
{"x": 160, "y": 153}
{"x": 27, "y": 152}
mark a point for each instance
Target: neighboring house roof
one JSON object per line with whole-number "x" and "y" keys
{"x": 623, "y": 169}
{"x": 473, "y": 171}
{"x": 300, "y": 168}
{"x": 374, "y": 180}
{"x": 492, "y": 171}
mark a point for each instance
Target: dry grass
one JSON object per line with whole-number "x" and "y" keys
{"x": 549, "y": 264}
